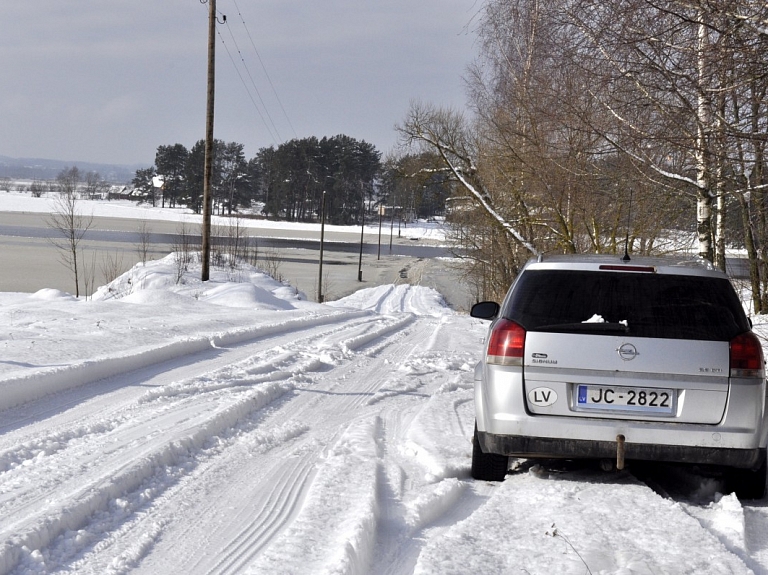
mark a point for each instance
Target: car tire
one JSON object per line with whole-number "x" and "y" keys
{"x": 748, "y": 483}
{"x": 487, "y": 466}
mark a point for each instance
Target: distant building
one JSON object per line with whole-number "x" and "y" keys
{"x": 119, "y": 193}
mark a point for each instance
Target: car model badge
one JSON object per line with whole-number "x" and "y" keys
{"x": 628, "y": 352}
{"x": 542, "y": 358}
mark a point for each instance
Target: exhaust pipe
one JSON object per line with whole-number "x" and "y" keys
{"x": 620, "y": 452}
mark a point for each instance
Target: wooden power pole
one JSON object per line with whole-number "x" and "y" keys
{"x": 207, "y": 200}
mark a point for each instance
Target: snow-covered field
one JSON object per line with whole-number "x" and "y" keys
{"x": 235, "y": 427}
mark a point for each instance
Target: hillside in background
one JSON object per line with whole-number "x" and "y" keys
{"x": 40, "y": 169}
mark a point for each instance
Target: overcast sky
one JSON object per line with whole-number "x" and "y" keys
{"x": 110, "y": 80}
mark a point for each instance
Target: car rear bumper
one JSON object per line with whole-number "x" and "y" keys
{"x": 545, "y": 447}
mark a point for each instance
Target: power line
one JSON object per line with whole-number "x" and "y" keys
{"x": 263, "y": 67}
{"x": 253, "y": 83}
{"x": 258, "y": 110}
{"x": 273, "y": 131}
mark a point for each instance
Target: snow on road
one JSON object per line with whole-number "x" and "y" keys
{"x": 234, "y": 427}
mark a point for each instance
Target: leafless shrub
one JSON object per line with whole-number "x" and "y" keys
{"x": 111, "y": 266}
{"x": 272, "y": 261}
{"x": 232, "y": 244}
{"x": 143, "y": 244}
{"x": 236, "y": 241}
{"x": 327, "y": 286}
{"x": 182, "y": 250}
{"x": 36, "y": 188}
{"x": 183, "y": 243}
{"x": 251, "y": 251}
{"x": 217, "y": 256}
{"x": 89, "y": 274}
{"x": 179, "y": 267}
{"x": 218, "y": 260}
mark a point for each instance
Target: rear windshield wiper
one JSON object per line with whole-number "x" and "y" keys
{"x": 588, "y": 327}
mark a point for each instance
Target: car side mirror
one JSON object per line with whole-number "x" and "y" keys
{"x": 485, "y": 310}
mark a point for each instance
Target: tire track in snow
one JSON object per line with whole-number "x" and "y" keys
{"x": 36, "y": 393}
{"x": 408, "y": 347}
{"x": 86, "y": 499}
{"x": 81, "y": 496}
{"x": 433, "y": 504}
{"x": 335, "y": 530}
{"x": 335, "y": 397}
{"x": 413, "y": 508}
{"x": 141, "y": 521}
{"x": 20, "y": 390}
{"x": 28, "y": 444}
{"x": 426, "y": 490}
{"x": 344, "y": 366}
{"x": 125, "y": 479}
{"x": 282, "y": 505}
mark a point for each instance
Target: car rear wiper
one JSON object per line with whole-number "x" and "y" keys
{"x": 587, "y": 327}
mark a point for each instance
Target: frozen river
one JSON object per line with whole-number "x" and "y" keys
{"x": 30, "y": 262}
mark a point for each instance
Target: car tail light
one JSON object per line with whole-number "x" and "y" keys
{"x": 506, "y": 343}
{"x": 746, "y": 356}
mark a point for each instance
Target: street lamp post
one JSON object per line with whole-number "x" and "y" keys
{"x": 322, "y": 241}
{"x": 391, "y": 227}
{"x": 381, "y": 211}
{"x": 362, "y": 231}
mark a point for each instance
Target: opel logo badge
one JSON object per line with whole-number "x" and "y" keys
{"x": 628, "y": 352}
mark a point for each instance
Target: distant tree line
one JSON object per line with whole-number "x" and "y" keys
{"x": 73, "y": 181}
{"x": 288, "y": 181}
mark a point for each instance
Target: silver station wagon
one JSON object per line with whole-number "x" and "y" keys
{"x": 596, "y": 357}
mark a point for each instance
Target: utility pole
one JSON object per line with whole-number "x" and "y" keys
{"x": 207, "y": 200}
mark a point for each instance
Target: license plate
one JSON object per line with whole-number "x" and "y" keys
{"x": 627, "y": 399}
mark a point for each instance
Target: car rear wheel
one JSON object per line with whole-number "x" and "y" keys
{"x": 487, "y": 466}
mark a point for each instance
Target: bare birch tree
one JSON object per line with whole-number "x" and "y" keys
{"x": 585, "y": 108}
{"x": 71, "y": 225}
{"x": 694, "y": 76}
{"x": 447, "y": 133}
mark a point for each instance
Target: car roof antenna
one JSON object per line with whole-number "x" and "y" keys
{"x": 626, "y": 257}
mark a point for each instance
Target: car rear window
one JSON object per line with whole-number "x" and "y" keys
{"x": 637, "y": 304}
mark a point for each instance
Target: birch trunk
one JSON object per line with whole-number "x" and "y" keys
{"x": 704, "y": 204}
{"x": 749, "y": 243}
{"x": 720, "y": 229}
